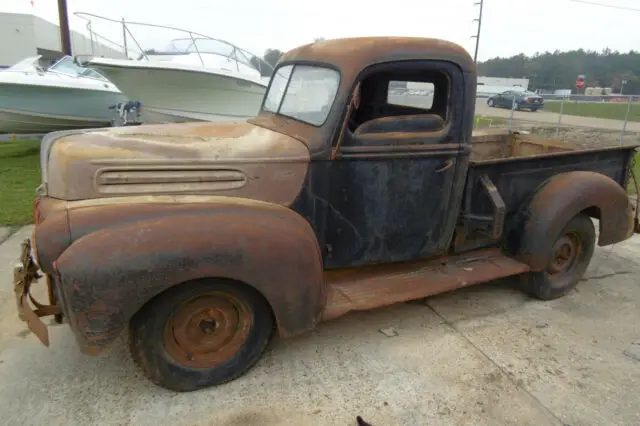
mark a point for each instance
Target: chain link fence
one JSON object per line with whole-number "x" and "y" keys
{"x": 586, "y": 121}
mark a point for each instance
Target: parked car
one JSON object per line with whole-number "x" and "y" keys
{"x": 522, "y": 100}
{"x": 204, "y": 239}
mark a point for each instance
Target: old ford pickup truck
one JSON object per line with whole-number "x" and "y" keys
{"x": 343, "y": 194}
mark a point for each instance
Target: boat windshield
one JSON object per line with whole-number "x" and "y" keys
{"x": 67, "y": 66}
{"x": 201, "y": 46}
{"x": 303, "y": 92}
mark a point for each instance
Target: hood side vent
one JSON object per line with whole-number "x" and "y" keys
{"x": 127, "y": 181}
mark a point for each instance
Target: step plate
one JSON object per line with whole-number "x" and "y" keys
{"x": 370, "y": 287}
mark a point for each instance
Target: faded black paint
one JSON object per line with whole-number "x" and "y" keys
{"x": 388, "y": 197}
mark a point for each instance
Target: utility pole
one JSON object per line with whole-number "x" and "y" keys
{"x": 477, "y": 36}
{"x": 65, "y": 37}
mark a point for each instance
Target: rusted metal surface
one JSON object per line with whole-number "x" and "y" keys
{"x": 351, "y": 56}
{"x": 375, "y": 286}
{"x": 488, "y": 145}
{"x": 132, "y": 253}
{"x": 23, "y": 277}
{"x": 209, "y": 330}
{"x": 237, "y": 159}
{"x": 561, "y": 198}
{"x": 565, "y": 252}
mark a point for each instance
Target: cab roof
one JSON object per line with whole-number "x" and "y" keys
{"x": 352, "y": 55}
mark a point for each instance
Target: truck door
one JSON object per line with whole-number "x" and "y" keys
{"x": 399, "y": 168}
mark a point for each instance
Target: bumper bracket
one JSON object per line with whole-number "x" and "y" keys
{"x": 24, "y": 275}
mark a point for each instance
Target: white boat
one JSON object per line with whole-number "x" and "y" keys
{"x": 63, "y": 96}
{"x": 195, "y": 78}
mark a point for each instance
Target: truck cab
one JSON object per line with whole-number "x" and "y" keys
{"x": 359, "y": 184}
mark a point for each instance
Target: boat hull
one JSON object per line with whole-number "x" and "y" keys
{"x": 181, "y": 95}
{"x": 27, "y": 108}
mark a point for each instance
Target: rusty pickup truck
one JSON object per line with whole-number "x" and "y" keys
{"x": 359, "y": 184}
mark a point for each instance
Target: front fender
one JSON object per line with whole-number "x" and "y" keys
{"x": 107, "y": 275}
{"x": 557, "y": 201}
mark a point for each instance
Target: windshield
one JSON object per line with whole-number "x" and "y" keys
{"x": 303, "y": 92}
{"x": 68, "y": 67}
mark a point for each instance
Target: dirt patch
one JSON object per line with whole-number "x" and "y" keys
{"x": 583, "y": 137}
{"x": 586, "y": 137}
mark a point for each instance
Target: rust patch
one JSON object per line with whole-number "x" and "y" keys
{"x": 23, "y": 277}
{"x": 566, "y": 195}
{"x": 208, "y": 331}
{"x": 351, "y": 56}
{"x": 178, "y": 159}
{"x": 354, "y": 54}
{"x": 375, "y": 286}
{"x": 123, "y": 255}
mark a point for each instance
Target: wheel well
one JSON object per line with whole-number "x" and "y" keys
{"x": 593, "y": 212}
{"x": 184, "y": 283}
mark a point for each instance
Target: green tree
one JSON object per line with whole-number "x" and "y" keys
{"x": 558, "y": 70}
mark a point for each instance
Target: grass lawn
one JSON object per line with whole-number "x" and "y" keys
{"x": 486, "y": 122}
{"x": 19, "y": 178}
{"x": 631, "y": 188}
{"x": 614, "y": 111}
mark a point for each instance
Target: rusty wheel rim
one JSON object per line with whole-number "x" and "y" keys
{"x": 565, "y": 254}
{"x": 206, "y": 331}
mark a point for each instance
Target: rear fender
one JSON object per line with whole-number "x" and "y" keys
{"x": 557, "y": 201}
{"x": 107, "y": 275}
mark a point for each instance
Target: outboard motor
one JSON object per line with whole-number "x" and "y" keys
{"x": 126, "y": 114}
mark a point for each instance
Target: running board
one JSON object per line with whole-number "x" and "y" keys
{"x": 369, "y": 287}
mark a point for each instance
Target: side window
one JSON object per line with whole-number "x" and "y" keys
{"x": 410, "y": 94}
{"x": 409, "y": 104}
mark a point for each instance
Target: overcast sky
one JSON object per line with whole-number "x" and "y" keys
{"x": 509, "y": 26}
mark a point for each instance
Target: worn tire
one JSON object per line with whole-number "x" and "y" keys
{"x": 174, "y": 350}
{"x": 577, "y": 242}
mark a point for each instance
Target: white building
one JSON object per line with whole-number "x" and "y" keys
{"x": 488, "y": 86}
{"x": 25, "y": 35}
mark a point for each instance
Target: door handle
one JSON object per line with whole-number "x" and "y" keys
{"x": 447, "y": 166}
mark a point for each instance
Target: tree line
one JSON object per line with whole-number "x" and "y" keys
{"x": 556, "y": 70}
{"x": 559, "y": 70}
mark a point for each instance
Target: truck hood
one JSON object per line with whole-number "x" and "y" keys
{"x": 205, "y": 158}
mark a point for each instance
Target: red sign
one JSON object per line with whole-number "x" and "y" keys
{"x": 580, "y": 83}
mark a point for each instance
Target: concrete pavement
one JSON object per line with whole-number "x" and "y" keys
{"x": 486, "y": 355}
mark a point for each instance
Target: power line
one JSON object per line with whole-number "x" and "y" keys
{"x": 477, "y": 36}
{"x": 610, "y": 6}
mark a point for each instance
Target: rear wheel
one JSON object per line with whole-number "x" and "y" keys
{"x": 200, "y": 334}
{"x": 569, "y": 257}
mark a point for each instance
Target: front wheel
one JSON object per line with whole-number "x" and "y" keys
{"x": 491, "y": 103}
{"x": 569, "y": 257}
{"x": 200, "y": 334}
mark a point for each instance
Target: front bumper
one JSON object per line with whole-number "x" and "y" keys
{"x": 24, "y": 275}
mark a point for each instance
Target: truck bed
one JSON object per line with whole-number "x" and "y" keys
{"x": 490, "y": 145}
{"x": 516, "y": 164}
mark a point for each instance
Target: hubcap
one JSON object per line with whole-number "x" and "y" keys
{"x": 565, "y": 254}
{"x": 208, "y": 330}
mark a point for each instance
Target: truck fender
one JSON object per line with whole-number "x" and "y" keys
{"x": 559, "y": 199}
{"x": 107, "y": 275}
